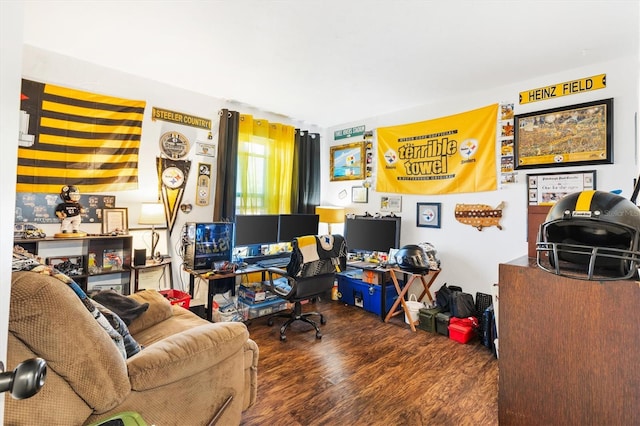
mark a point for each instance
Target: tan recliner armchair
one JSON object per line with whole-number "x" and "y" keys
{"x": 189, "y": 371}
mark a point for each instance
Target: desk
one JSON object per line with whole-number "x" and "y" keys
{"x": 211, "y": 279}
{"x": 150, "y": 265}
{"x": 426, "y": 283}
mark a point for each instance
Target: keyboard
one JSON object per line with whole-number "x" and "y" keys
{"x": 271, "y": 263}
{"x": 363, "y": 265}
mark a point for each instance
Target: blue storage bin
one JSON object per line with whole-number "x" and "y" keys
{"x": 355, "y": 292}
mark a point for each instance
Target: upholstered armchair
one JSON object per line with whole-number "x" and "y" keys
{"x": 188, "y": 372}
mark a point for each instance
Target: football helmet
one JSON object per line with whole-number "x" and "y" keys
{"x": 591, "y": 235}
{"x": 70, "y": 193}
{"x": 412, "y": 258}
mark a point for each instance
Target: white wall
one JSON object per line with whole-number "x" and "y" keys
{"x": 11, "y": 46}
{"x": 470, "y": 257}
{"x": 48, "y": 67}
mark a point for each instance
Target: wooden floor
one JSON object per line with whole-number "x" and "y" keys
{"x": 367, "y": 372}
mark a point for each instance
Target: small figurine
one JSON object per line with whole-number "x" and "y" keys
{"x": 70, "y": 212}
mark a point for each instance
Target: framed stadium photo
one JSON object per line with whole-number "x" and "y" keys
{"x": 567, "y": 136}
{"x": 428, "y": 215}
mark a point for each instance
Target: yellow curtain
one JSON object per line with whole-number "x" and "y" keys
{"x": 265, "y": 166}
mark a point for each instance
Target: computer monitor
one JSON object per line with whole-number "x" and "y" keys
{"x": 369, "y": 234}
{"x": 291, "y": 226}
{"x": 207, "y": 244}
{"x": 256, "y": 229}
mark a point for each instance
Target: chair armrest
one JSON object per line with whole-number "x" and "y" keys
{"x": 272, "y": 275}
{"x": 159, "y": 310}
{"x": 184, "y": 354}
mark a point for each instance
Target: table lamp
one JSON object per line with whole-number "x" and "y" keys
{"x": 152, "y": 214}
{"x": 329, "y": 215}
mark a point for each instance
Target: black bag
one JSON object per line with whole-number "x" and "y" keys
{"x": 444, "y": 296}
{"x": 462, "y": 305}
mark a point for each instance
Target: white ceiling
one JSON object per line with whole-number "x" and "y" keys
{"x": 328, "y": 62}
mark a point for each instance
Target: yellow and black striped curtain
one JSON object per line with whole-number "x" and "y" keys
{"x": 71, "y": 137}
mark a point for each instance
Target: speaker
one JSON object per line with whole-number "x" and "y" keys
{"x": 139, "y": 257}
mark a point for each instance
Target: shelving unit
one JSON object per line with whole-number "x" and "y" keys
{"x": 97, "y": 262}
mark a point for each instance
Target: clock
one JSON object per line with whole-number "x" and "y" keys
{"x": 174, "y": 145}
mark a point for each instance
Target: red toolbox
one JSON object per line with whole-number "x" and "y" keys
{"x": 462, "y": 329}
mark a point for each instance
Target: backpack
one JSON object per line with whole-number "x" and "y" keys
{"x": 444, "y": 296}
{"x": 462, "y": 305}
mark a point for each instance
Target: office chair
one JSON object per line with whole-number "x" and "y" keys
{"x": 310, "y": 273}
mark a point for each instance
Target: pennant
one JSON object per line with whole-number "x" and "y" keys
{"x": 451, "y": 154}
{"x": 71, "y": 137}
{"x": 172, "y": 174}
{"x": 204, "y": 184}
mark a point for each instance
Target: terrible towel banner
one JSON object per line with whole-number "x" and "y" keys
{"x": 453, "y": 154}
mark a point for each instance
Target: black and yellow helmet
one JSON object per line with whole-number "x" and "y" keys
{"x": 70, "y": 193}
{"x": 592, "y": 235}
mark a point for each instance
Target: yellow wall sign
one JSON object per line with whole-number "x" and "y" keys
{"x": 180, "y": 118}
{"x": 564, "y": 89}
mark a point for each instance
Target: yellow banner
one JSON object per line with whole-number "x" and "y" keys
{"x": 453, "y": 154}
{"x": 180, "y": 118}
{"x": 564, "y": 89}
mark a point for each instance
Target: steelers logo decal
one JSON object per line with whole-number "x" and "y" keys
{"x": 428, "y": 215}
{"x": 172, "y": 177}
{"x": 468, "y": 147}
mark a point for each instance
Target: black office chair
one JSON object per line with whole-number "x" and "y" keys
{"x": 310, "y": 274}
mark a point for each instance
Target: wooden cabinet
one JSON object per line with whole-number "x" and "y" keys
{"x": 94, "y": 262}
{"x": 569, "y": 351}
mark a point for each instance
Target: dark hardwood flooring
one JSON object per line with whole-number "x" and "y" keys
{"x": 367, "y": 372}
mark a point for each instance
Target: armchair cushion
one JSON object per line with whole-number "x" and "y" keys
{"x": 185, "y": 354}
{"x": 159, "y": 310}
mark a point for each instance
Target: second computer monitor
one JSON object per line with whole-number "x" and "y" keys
{"x": 256, "y": 229}
{"x": 297, "y": 225}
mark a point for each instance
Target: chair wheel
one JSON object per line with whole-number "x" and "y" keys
{"x": 270, "y": 321}
{"x": 283, "y": 337}
{"x": 318, "y": 335}
{"x": 323, "y": 321}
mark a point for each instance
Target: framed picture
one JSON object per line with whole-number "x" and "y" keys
{"x": 359, "y": 194}
{"x": 115, "y": 221}
{"x": 391, "y": 203}
{"x": 566, "y": 136}
{"x": 546, "y": 189}
{"x": 347, "y": 161}
{"x": 428, "y": 215}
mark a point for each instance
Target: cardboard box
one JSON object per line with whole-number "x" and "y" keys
{"x": 255, "y": 293}
{"x": 375, "y": 277}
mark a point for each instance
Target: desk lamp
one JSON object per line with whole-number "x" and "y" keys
{"x": 329, "y": 215}
{"x": 152, "y": 214}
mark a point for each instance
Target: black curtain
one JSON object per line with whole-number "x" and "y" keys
{"x": 225, "y": 198}
{"x": 305, "y": 194}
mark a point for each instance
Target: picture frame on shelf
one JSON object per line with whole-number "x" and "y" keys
{"x": 115, "y": 221}
{"x": 544, "y": 189}
{"x": 359, "y": 194}
{"x": 572, "y": 135}
{"x": 391, "y": 203}
{"x": 428, "y": 215}
{"x": 347, "y": 162}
